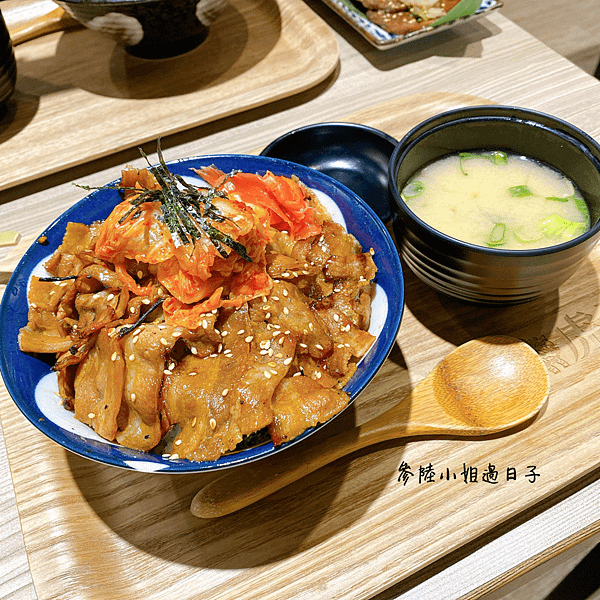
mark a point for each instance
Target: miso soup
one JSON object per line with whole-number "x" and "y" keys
{"x": 498, "y": 200}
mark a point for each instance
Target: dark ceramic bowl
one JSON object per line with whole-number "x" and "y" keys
{"x": 149, "y": 28}
{"x": 8, "y": 65}
{"x": 355, "y": 155}
{"x": 492, "y": 275}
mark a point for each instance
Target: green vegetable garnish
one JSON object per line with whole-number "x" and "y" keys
{"x": 187, "y": 211}
{"x": 559, "y": 198}
{"x": 412, "y": 189}
{"x": 496, "y": 157}
{"x": 520, "y": 191}
{"x": 557, "y": 226}
{"x": 497, "y": 235}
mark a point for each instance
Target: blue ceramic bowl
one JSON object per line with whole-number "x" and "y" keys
{"x": 32, "y": 384}
{"x": 492, "y": 275}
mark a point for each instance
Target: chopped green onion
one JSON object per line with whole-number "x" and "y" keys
{"x": 573, "y": 230}
{"x": 497, "y": 235}
{"x": 412, "y": 189}
{"x": 554, "y": 225}
{"x": 519, "y": 191}
{"x": 559, "y": 199}
{"x": 497, "y": 157}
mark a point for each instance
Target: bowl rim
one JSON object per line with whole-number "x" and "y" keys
{"x": 124, "y": 457}
{"x": 337, "y": 125}
{"x": 481, "y": 113}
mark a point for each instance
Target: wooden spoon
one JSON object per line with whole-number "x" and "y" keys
{"x": 483, "y": 387}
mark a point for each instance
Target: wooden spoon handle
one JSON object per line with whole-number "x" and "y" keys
{"x": 241, "y": 487}
{"x": 29, "y": 19}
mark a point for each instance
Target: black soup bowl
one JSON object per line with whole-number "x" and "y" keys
{"x": 480, "y": 274}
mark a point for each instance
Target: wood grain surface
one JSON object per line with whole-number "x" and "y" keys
{"x": 355, "y": 527}
{"x": 79, "y": 96}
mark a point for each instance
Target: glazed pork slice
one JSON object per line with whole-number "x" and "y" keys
{"x": 145, "y": 353}
{"x": 218, "y": 399}
{"x": 98, "y": 386}
{"x": 300, "y": 403}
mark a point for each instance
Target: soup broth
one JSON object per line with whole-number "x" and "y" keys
{"x": 497, "y": 200}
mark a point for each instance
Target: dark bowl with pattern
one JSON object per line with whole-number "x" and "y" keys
{"x": 492, "y": 275}
{"x": 149, "y": 28}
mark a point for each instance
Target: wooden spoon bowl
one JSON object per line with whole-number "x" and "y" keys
{"x": 483, "y": 387}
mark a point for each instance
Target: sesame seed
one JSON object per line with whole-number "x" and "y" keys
{"x": 268, "y": 315}
{"x": 272, "y": 364}
{"x": 285, "y": 292}
{"x": 194, "y": 421}
{"x": 249, "y": 338}
{"x": 225, "y": 392}
{"x": 174, "y": 457}
{"x": 171, "y": 366}
{"x": 273, "y": 372}
{"x": 114, "y": 356}
{"x": 110, "y": 297}
{"x": 265, "y": 343}
{"x": 164, "y": 342}
{"x": 302, "y": 345}
{"x": 146, "y": 301}
{"x": 91, "y": 415}
{"x": 224, "y": 333}
{"x": 213, "y": 424}
{"x": 311, "y": 326}
{"x": 318, "y": 346}
{"x": 178, "y": 442}
{"x": 286, "y": 310}
{"x": 135, "y": 339}
{"x": 286, "y": 274}
{"x": 241, "y": 332}
{"x": 193, "y": 373}
{"x": 132, "y": 357}
{"x": 336, "y": 317}
{"x": 287, "y": 361}
{"x": 161, "y": 327}
{"x": 263, "y": 352}
{"x": 194, "y": 350}
{"x": 276, "y": 298}
{"x": 204, "y": 324}
{"x": 132, "y": 397}
{"x": 176, "y": 334}
{"x": 95, "y": 296}
{"x": 267, "y": 374}
{"x": 318, "y": 374}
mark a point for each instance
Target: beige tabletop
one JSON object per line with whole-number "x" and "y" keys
{"x": 489, "y": 59}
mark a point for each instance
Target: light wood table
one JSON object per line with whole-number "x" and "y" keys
{"x": 487, "y": 60}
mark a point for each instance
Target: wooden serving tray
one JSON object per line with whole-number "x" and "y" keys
{"x": 355, "y": 527}
{"x": 79, "y": 96}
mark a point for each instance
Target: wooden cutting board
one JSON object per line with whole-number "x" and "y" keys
{"x": 357, "y": 526}
{"x": 79, "y": 96}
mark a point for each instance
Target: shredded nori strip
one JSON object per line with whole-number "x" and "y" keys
{"x": 65, "y": 278}
{"x": 187, "y": 211}
{"x": 129, "y": 328}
